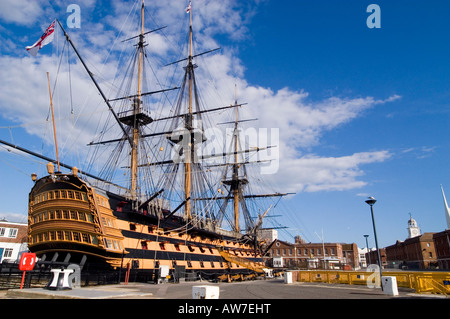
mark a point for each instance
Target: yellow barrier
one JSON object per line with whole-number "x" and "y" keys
{"x": 422, "y": 282}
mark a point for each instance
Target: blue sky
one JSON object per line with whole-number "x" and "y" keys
{"x": 360, "y": 111}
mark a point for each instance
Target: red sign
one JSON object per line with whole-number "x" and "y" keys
{"x": 27, "y": 261}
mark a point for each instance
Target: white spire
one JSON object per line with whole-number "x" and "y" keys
{"x": 447, "y": 210}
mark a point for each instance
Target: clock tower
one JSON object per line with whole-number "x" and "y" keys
{"x": 413, "y": 228}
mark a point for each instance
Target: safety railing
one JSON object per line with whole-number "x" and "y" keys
{"x": 421, "y": 282}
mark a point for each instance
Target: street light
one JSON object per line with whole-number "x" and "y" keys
{"x": 368, "y": 252}
{"x": 371, "y": 201}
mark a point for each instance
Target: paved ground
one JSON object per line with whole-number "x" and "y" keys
{"x": 259, "y": 289}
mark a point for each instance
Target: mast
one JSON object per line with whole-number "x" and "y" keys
{"x": 53, "y": 118}
{"x": 137, "y": 110}
{"x": 236, "y": 167}
{"x": 188, "y": 126}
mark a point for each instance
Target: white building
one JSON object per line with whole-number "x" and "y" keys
{"x": 268, "y": 235}
{"x": 413, "y": 228}
{"x": 13, "y": 240}
{"x": 363, "y": 262}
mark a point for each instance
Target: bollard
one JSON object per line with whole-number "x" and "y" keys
{"x": 205, "y": 292}
{"x": 60, "y": 279}
{"x": 389, "y": 285}
{"x": 288, "y": 277}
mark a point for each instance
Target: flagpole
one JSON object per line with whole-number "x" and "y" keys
{"x": 53, "y": 118}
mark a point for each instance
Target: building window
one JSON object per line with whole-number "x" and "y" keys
{"x": 86, "y": 238}
{"x": 12, "y": 233}
{"x": 76, "y": 236}
{"x": 66, "y": 214}
{"x": 144, "y": 245}
{"x": 82, "y": 216}
{"x": 108, "y": 243}
{"x": 8, "y": 252}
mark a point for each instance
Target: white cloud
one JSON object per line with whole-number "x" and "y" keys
{"x": 301, "y": 122}
{"x": 313, "y": 173}
{"x": 24, "y": 12}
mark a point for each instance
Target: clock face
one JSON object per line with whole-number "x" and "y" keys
{"x": 414, "y": 232}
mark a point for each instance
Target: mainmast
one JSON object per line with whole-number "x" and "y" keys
{"x": 137, "y": 110}
{"x": 188, "y": 126}
{"x": 236, "y": 169}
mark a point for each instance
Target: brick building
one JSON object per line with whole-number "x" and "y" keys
{"x": 413, "y": 253}
{"x": 373, "y": 257}
{"x": 442, "y": 247}
{"x": 312, "y": 255}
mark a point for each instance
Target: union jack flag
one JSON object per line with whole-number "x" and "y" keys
{"x": 188, "y": 9}
{"x": 45, "y": 39}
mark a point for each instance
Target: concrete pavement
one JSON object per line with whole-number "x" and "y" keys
{"x": 258, "y": 289}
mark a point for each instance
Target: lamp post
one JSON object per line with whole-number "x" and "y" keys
{"x": 368, "y": 252}
{"x": 371, "y": 201}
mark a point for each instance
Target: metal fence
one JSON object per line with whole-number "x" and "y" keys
{"x": 422, "y": 282}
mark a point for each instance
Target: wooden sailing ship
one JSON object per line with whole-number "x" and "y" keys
{"x": 72, "y": 219}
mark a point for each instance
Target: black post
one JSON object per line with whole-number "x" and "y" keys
{"x": 370, "y": 202}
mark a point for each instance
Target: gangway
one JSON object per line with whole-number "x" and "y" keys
{"x": 243, "y": 262}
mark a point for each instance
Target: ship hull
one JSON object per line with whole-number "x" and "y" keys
{"x": 72, "y": 222}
